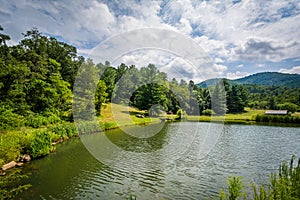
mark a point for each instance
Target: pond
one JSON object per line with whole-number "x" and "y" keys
{"x": 185, "y": 160}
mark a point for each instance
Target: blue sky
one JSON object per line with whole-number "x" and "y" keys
{"x": 241, "y": 37}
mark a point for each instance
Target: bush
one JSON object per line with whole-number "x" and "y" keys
{"x": 291, "y": 107}
{"x": 63, "y": 131}
{"x": 60, "y": 131}
{"x": 87, "y": 127}
{"x": 208, "y": 112}
{"x": 181, "y": 114}
{"x": 40, "y": 144}
{"x": 71, "y": 129}
{"x": 235, "y": 189}
{"x": 282, "y": 186}
{"x": 10, "y": 120}
{"x": 12, "y": 145}
{"x": 36, "y": 121}
{"x": 110, "y": 125}
{"x": 277, "y": 118}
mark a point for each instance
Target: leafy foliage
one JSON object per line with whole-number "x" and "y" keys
{"x": 284, "y": 185}
{"x": 278, "y": 118}
{"x": 36, "y": 78}
{"x": 40, "y": 145}
{"x": 219, "y": 99}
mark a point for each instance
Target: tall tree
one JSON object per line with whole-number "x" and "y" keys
{"x": 272, "y": 103}
{"x": 219, "y": 99}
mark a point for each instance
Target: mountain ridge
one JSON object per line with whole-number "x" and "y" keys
{"x": 261, "y": 78}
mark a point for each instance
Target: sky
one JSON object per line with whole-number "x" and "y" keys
{"x": 240, "y": 37}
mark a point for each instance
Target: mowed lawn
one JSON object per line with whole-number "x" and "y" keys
{"x": 115, "y": 115}
{"x": 247, "y": 116}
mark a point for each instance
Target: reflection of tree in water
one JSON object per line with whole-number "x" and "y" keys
{"x": 134, "y": 144}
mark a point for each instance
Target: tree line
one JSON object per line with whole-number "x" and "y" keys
{"x": 37, "y": 78}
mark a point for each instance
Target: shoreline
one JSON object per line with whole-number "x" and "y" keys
{"x": 115, "y": 125}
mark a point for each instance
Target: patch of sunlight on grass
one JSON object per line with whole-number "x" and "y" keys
{"x": 116, "y": 115}
{"x": 247, "y": 115}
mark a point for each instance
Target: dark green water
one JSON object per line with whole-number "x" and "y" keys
{"x": 168, "y": 165}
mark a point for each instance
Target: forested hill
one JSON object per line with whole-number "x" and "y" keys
{"x": 264, "y": 78}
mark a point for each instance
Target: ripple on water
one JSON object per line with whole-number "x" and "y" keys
{"x": 250, "y": 151}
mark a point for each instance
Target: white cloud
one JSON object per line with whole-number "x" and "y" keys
{"x": 215, "y": 48}
{"x": 248, "y": 31}
{"x": 219, "y": 60}
{"x": 236, "y": 75}
{"x": 260, "y": 65}
{"x": 257, "y": 49}
{"x": 294, "y": 70}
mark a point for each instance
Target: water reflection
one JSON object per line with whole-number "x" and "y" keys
{"x": 250, "y": 151}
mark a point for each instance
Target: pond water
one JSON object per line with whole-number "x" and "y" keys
{"x": 185, "y": 160}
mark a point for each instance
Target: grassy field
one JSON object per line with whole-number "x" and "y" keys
{"x": 114, "y": 115}
{"x": 247, "y": 116}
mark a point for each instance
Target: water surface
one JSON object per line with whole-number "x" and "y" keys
{"x": 171, "y": 166}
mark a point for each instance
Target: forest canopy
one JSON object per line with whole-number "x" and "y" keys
{"x": 37, "y": 77}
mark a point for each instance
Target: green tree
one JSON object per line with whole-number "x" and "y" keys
{"x": 237, "y": 99}
{"x": 219, "y": 99}
{"x": 291, "y": 107}
{"x": 108, "y": 75}
{"x": 100, "y": 96}
{"x": 272, "y": 103}
{"x": 85, "y": 90}
{"x": 3, "y": 37}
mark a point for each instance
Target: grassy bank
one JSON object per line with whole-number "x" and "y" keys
{"x": 246, "y": 117}
{"x": 38, "y": 142}
{"x": 249, "y": 116}
{"x": 114, "y": 115}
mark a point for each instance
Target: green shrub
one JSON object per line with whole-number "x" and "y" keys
{"x": 60, "y": 131}
{"x": 36, "y": 121}
{"x": 291, "y": 107}
{"x": 64, "y": 131}
{"x": 88, "y": 127}
{"x": 235, "y": 189}
{"x": 277, "y": 118}
{"x": 53, "y": 119}
{"x": 54, "y": 137}
{"x": 10, "y": 120}
{"x": 12, "y": 145}
{"x": 282, "y": 186}
{"x": 40, "y": 144}
{"x": 181, "y": 114}
{"x": 39, "y": 120}
{"x": 208, "y": 112}
{"x": 71, "y": 129}
{"x": 110, "y": 125}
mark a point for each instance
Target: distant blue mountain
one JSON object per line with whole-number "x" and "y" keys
{"x": 264, "y": 78}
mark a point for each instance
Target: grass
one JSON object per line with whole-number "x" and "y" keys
{"x": 115, "y": 115}
{"x": 245, "y": 117}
